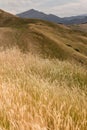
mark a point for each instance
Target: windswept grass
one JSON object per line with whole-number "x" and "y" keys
{"x": 41, "y": 94}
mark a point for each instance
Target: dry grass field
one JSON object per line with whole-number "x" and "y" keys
{"x": 44, "y": 38}
{"x": 43, "y": 75}
{"x": 41, "y": 94}
{"x": 80, "y": 27}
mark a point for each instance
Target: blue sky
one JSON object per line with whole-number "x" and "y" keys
{"x": 60, "y": 8}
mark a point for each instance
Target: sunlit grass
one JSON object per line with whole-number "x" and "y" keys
{"x": 41, "y": 94}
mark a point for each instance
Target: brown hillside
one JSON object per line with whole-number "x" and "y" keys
{"x": 44, "y": 38}
{"x": 80, "y": 27}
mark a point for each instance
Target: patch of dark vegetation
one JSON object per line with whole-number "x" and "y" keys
{"x": 68, "y": 45}
{"x": 77, "y": 50}
{"x": 81, "y": 61}
{"x": 48, "y": 47}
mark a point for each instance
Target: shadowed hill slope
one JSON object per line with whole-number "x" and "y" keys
{"x": 7, "y": 19}
{"x": 44, "y": 38}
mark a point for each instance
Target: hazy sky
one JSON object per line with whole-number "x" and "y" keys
{"x": 59, "y": 7}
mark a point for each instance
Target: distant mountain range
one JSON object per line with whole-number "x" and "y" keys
{"x": 53, "y": 18}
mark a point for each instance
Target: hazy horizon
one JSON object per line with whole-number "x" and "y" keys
{"x": 60, "y": 8}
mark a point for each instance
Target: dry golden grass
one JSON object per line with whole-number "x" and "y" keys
{"x": 41, "y": 94}
{"x": 81, "y": 27}
{"x": 45, "y": 38}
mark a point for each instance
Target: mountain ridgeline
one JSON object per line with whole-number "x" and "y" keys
{"x": 53, "y": 18}
{"x": 43, "y": 38}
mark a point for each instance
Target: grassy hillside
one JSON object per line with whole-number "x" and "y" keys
{"x": 43, "y": 75}
{"x": 48, "y": 40}
{"x": 41, "y": 94}
{"x": 80, "y": 27}
{"x": 45, "y": 38}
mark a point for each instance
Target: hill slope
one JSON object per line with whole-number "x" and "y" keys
{"x": 44, "y": 38}
{"x": 37, "y": 91}
{"x": 80, "y": 27}
{"x": 7, "y": 19}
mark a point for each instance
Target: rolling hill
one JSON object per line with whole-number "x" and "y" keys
{"x": 43, "y": 75}
{"x": 42, "y": 37}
